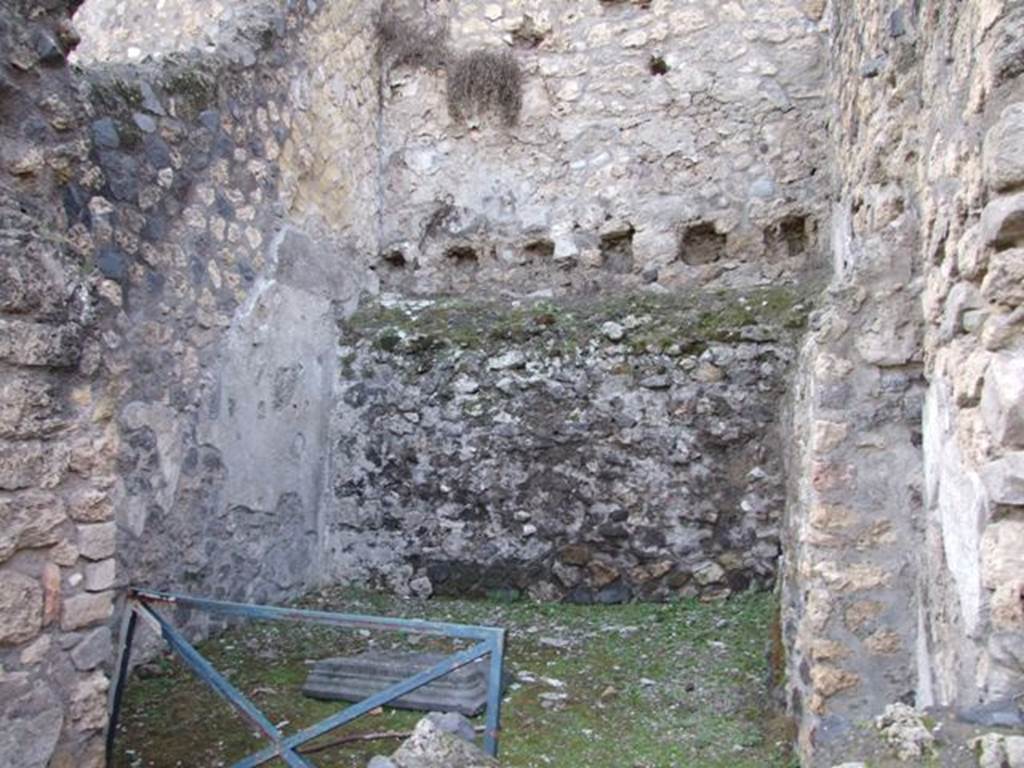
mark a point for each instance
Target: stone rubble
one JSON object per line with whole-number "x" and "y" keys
{"x": 439, "y": 741}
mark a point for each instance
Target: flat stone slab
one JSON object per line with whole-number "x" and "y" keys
{"x": 354, "y": 678}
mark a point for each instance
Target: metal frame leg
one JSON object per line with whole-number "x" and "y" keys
{"x": 495, "y": 678}
{"x": 119, "y": 684}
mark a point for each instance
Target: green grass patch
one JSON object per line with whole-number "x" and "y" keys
{"x": 646, "y": 686}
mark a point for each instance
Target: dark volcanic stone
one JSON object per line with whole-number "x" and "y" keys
{"x": 155, "y": 228}
{"x": 113, "y": 263}
{"x": 47, "y": 48}
{"x": 105, "y": 134}
{"x": 122, "y": 173}
{"x": 613, "y": 594}
{"x": 156, "y": 151}
{"x": 76, "y": 205}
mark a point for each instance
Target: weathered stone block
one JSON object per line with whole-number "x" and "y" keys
{"x": 29, "y": 520}
{"x": 1002, "y": 222}
{"x": 1004, "y": 479}
{"x": 1002, "y": 400}
{"x": 431, "y": 747}
{"x": 1002, "y": 553}
{"x": 89, "y": 702}
{"x": 31, "y": 717}
{"x": 27, "y": 407}
{"x": 1004, "y": 161}
{"x": 100, "y": 576}
{"x": 1007, "y": 606}
{"x": 97, "y": 541}
{"x": 1000, "y": 331}
{"x": 39, "y": 344}
{"x": 356, "y": 677}
{"x": 85, "y": 610}
{"x": 91, "y": 506}
{"x": 21, "y": 608}
{"x": 1004, "y": 282}
{"x": 96, "y": 648}
{"x": 31, "y": 464}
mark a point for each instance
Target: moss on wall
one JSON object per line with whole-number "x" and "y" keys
{"x": 684, "y": 323}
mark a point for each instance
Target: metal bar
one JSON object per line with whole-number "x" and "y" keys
{"x": 495, "y": 678}
{"x": 349, "y": 714}
{"x": 220, "y": 684}
{"x": 119, "y": 684}
{"x": 359, "y": 621}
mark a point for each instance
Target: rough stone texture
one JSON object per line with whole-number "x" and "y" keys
{"x": 21, "y": 605}
{"x": 354, "y": 678}
{"x": 431, "y": 746}
{"x": 56, "y": 440}
{"x": 539, "y": 450}
{"x": 657, "y": 143}
{"x": 230, "y": 281}
{"x": 923, "y": 214}
{"x": 1004, "y": 166}
{"x": 155, "y": 269}
{"x": 117, "y": 31}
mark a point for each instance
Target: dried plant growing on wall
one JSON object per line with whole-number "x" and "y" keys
{"x": 482, "y": 81}
{"x": 414, "y": 43}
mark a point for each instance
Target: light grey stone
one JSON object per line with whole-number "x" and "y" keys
{"x": 1002, "y": 222}
{"x": 100, "y": 576}
{"x": 431, "y": 747}
{"x": 1002, "y": 400}
{"x": 455, "y": 724}
{"x": 613, "y": 331}
{"x": 1004, "y": 162}
{"x": 31, "y": 718}
{"x": 96, "y": 648}
{"x": 1004, "y": 281}
{"x": 97, "y": 541}
{"x": 1004, "y": 479}
{"x": 85, "y": 610}
{"x": 1015, "y": 751}
{"x": 507, "y": 360}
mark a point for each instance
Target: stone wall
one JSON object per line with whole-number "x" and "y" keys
{"x": 58, "y": 440}
{"x": 130, "y": 30}
{"x": 971, "y": 648}
{"x": 593, "y": 450}
{"x": 902, "y": 548}
{"x": 167, "y": 302}
{"x": 228, "y": 285}
{"x": 657, "y": 143}
{"x": 181, "y": 232}
{"x": 854, "y": 513}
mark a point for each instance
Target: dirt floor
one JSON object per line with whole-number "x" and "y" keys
{"x": 632, "y": 686}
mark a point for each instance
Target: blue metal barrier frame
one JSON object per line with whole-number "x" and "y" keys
{"x": 490, "y": 642}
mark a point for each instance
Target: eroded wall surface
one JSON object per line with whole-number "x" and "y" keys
{"x": 971, "y": 648}
{"x": 596, "y": 450}
{"x": 127, "y": 31}
{"x": 903, "y": 550}
{"x": 58, "y": 435}
{"x": 229, "y": 287}
{"x": 169, "y": 299}
{"x": 658, "y": 143}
